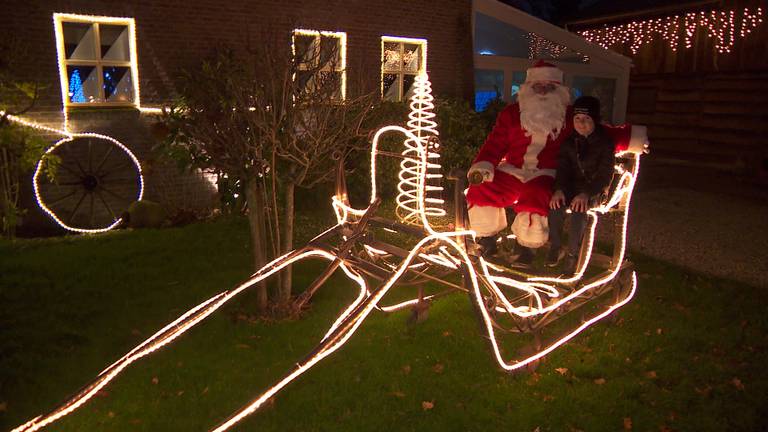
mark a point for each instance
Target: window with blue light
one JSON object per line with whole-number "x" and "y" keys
{"x": 489, "y": 85}
{"x": 96, "y": 55}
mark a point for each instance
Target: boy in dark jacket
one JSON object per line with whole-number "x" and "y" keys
{"x": 584, "y": 170}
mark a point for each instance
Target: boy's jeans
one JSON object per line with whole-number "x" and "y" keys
{"x": 575, "y": 233}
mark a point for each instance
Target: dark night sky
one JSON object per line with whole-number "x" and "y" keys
{"x": 559, "y": 11}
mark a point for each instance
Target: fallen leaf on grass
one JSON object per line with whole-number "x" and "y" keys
{"x": 111, "y": 414}
{"x": 659, "y": 331}
{"x": 600, "y": 381}
{"x": 180, "y": 392}
{"x": 438, "y": 368}
{"x": 548, "y": 398}
{"x": 155, "y": 380}
{"x": 398, "y": 394}
{"x": 427, "y": 405}
{"x": 205, "y": 390}
{"x": 737, "y": 383}
{"x": 562, "y": 371}
{"x": 627, "y": 423}
{"x": 406, "y": 369}
{"x": 447, "y": 333}
{"x": 651, "y": 375}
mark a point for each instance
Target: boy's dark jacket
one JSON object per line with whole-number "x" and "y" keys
{"x": 585, "y": 165}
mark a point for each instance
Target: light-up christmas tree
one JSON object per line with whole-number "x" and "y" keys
{"x": 76, "y": 88}
{"x": 412, "y": 198}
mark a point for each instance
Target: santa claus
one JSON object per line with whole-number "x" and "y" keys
{"x": 518, "y": 160}
{"x": 517, "y": 163}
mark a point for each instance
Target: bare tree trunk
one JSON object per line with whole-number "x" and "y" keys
{"x": 256, "y": 220}
{"x": 284, "y": 295}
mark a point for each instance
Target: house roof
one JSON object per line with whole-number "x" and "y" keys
{"x": 509, "y": 14}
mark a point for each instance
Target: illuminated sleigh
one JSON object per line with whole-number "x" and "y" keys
{"x": 506, "y": 300}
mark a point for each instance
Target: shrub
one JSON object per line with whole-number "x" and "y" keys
{"x": 145, "y": 214}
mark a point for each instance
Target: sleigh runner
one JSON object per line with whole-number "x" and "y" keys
{"x": 506, "y": 300}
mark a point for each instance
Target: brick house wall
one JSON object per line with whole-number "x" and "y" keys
{"x": 173, "y": 35}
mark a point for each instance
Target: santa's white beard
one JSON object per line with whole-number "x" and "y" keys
{"x": 543, "y": 114}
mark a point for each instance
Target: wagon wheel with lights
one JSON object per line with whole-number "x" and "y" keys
{"x": 96, "y": 180}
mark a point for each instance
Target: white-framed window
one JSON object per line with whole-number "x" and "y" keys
{"x": 401, "y": 60}
{"x": 97, "y": 60}
{"x": 322, "y": 57}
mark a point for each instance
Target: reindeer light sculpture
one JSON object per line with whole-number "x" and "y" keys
{"x": 507, "y": 301}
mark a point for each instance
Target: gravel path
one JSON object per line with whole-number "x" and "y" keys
{"x": 710, "y": 222}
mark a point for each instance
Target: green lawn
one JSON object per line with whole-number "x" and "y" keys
{"x": 687, "y": 354}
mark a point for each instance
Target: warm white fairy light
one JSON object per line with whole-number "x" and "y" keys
{"x": 720, "y": 25}
{"x": 39, "y": 169}
{"x": 452, "y": 255}
{"x": 539, "y": 47}
{"x": 317, "y": 34}
{"x": 69, "y": 136}
{"x": 35, "y": 125}
{"x": 421, "y": 123}
{"x": 416, "y": 41}
{"x": 399, "y": 61}
{"x": 132, "y": 64}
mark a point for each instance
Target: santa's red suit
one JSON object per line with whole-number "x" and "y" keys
{"x": 523, "y": 165}
{"x": 520, "y": 169}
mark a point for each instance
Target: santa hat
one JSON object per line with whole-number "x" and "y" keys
{"x": 531, "y": 229}
{"x": 543, "y": 71}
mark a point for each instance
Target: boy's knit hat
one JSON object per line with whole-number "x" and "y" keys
{"x": 588, "y": 105}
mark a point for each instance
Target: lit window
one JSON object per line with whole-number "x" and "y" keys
{"x": 322, "y": 61}
{"x": 401, "y": 60}
{"x": 97, "y": 60}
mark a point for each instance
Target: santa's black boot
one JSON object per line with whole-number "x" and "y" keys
{"x": 525, "y": 256}
{"x": 487, "y": 246}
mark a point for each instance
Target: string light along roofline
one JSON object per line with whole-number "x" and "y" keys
{"x": 723, "y": 26}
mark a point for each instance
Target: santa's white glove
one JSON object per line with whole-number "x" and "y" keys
{"x": 484, "y": 169}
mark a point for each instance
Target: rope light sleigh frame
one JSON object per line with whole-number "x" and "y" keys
{"x": 506, "y": 301}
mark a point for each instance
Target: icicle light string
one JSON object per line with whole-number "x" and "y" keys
{"x": 720, "y": 25}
